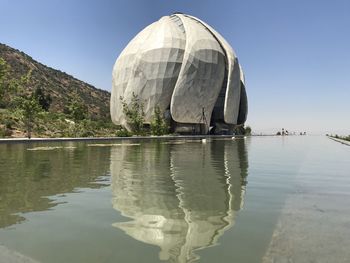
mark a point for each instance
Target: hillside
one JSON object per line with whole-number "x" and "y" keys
{"x": 58, "y": 84}
{"x": 39, "y": 101}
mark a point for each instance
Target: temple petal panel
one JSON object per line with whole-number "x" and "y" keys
{"x": 188, "y": 70}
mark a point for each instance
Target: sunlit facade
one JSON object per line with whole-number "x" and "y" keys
{"x": 183, "y": 66}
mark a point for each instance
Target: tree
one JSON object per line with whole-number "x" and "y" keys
{"x": 30, "y": 110}
{"x": 248, "y": 130}
{"x": 9, "y": 87}
{"x": 77, "y": 109}
{"x": 158, "y": 124}
{"x": 4, "y": 73}
{"x": 134, "y": 114}
{"x": 239, "y": 130}
{"x": 4, "y": 68}
{"x": 43, "y": 99}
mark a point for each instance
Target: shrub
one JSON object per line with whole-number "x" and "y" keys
{"x": 158, "y": 124}
{"x": 43, "y": 99}
{"x": 77, "y": 108}
{"x": 5, "y": 132}
{"x": 248, "y": 130}
{"x": 123, "y": 133}
{"x": 9, "y": 123}
{"x": 239, "y": 130}
{"x": 134, "y": 114}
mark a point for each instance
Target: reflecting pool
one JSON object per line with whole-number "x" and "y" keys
{"x": 259, "y": 199}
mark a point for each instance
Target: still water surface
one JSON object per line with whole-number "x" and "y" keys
{"x": 260, "y": 199}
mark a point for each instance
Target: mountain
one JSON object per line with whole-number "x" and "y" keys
{"x": 61, "y": 86}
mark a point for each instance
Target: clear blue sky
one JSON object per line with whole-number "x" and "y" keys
{"x": 295, "y": 53}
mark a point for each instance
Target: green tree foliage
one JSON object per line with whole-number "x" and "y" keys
{"x": 24, "y": 111}
{"x": 27, "y": 105}
{"x": 4, "y": 69}
{"x": 134, "y": 113}
{"x": 16, "y": 90}
{"x": 76, "y": 109}
{"x": 30, "y": 109}
{"x": 43, "y": 99}
{"x": 123, "y": 133}
{"x": 158, "y": 124}
{"x": 248, "y": 131}
{"x": 239, "y": 130}
{"x": 4, "y": 81}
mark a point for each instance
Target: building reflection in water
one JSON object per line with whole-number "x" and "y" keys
{"x": 180, "y": 197}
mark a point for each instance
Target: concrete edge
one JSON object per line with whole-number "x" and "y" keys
{"x": 345, "y": 142}
{"x": 133, "y": 138}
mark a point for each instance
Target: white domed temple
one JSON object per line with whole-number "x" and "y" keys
{"x": 188, "y": 70}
